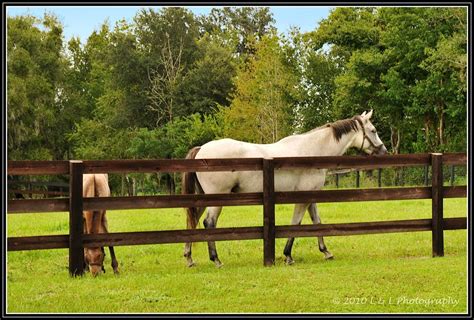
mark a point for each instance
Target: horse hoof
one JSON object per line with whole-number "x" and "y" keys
{"x": 191, "y": 264}
{"x": 289, "y": 261}
{"x": 116, "y": 272}
{"x": 328, "y": 256}
{"x": 219, "y": 264}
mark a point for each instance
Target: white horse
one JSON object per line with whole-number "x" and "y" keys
{"x": 332, "y": 139}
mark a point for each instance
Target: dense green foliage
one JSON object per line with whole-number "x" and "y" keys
{"x": 407, "y": 63}
{"x": 170, "y": 80}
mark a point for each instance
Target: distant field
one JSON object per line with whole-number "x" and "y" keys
{"x": 372, "y": 273}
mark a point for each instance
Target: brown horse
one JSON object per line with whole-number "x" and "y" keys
{"x": 96, "y": 185}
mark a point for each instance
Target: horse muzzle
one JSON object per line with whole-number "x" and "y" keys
{"x": 96, "y": 269}
{"x": 380, "y": 150}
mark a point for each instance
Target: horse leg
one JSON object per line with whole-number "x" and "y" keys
{"x": 210, "y": 223}
{"x": 114, "y": 260}
{"x": 313, "y": 213}
{"x": 103, "y": 251}
{"x": 84, "y": 224}
{"x": 111, "y": 249}
{"x": 296, "y": 220}
{"x": 188, "y": 245}
{"x": 86, "y": 266}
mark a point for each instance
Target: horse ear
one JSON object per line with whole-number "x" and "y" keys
{"x": 363, "y": 114}
{"x": 368, "y": 115}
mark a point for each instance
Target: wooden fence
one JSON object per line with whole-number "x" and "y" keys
{"x": 30, "y": 188}
{"x": 75, "y": 204}
{"x": 338, "y": 173}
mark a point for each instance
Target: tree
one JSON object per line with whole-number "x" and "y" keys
{"x": 395, "y": 61}
{"x": 123, "y": 104}
{"x": 173, "y": 28}
{"x": 35, "y": 65}
{"x": 164, "y": 85}
{"x": 209, "y": 80}
{"x": 241, "y": 27}
{"x": 95, "y": 140}
{"x": 443, "y": 93}
{"x": 316, "y": 71}
{"x": 412, "y": 37}
{"x": 260, "y": 110}
{"x": 346, "y": 30}
{"x": 173, "y": 140}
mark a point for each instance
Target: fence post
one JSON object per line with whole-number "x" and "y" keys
{"x": 357, "y": 179}
{"x": 452, "y": 175}
{"x": 402, "y": 179}
{"x": 268, "y": 212}
{"x": 337, "y": 180}
{"x": 437, "y": 204}
{"x": 76, "y": 249}
{"x": 380, "y": 178}
{"x": 426, "y": 175}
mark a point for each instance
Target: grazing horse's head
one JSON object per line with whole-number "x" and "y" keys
{"x": 94, "y": 258}
{"x": 368, "y": 140}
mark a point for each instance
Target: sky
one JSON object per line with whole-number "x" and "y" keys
{"x": 81, "y": 21}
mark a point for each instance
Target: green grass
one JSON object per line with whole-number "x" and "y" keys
{"x": 371, "y": 273}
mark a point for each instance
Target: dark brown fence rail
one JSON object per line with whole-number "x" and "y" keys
{"x": 178, "y": 201}
{"x": 75, "y": 240}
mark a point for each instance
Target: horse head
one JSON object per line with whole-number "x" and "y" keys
{"x": 368, "y": 141}
{"x": 94, "y": 258}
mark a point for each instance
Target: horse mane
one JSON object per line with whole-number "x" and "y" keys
{"x": 341, "y": 127}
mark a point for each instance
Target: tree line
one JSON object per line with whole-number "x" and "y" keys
{"x": 170, "y": 80}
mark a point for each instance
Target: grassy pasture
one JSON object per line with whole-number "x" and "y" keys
{"x": 391, "y": 273}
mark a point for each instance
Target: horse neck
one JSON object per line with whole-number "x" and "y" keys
{"x": 323, "y": 143}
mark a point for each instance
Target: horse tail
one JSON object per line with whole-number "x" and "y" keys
{"x": 97, "y": 214}
{"x": 100, "y": 188}
{"x": 191, "y": 185}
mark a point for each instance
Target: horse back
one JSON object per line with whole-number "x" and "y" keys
{"x": 102, "y": 188}
{"x": 94, "y": 185}
{"x": 88, "y": 185}
{"x": 230, "y": 148}
{"x": 292, "y": 179}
